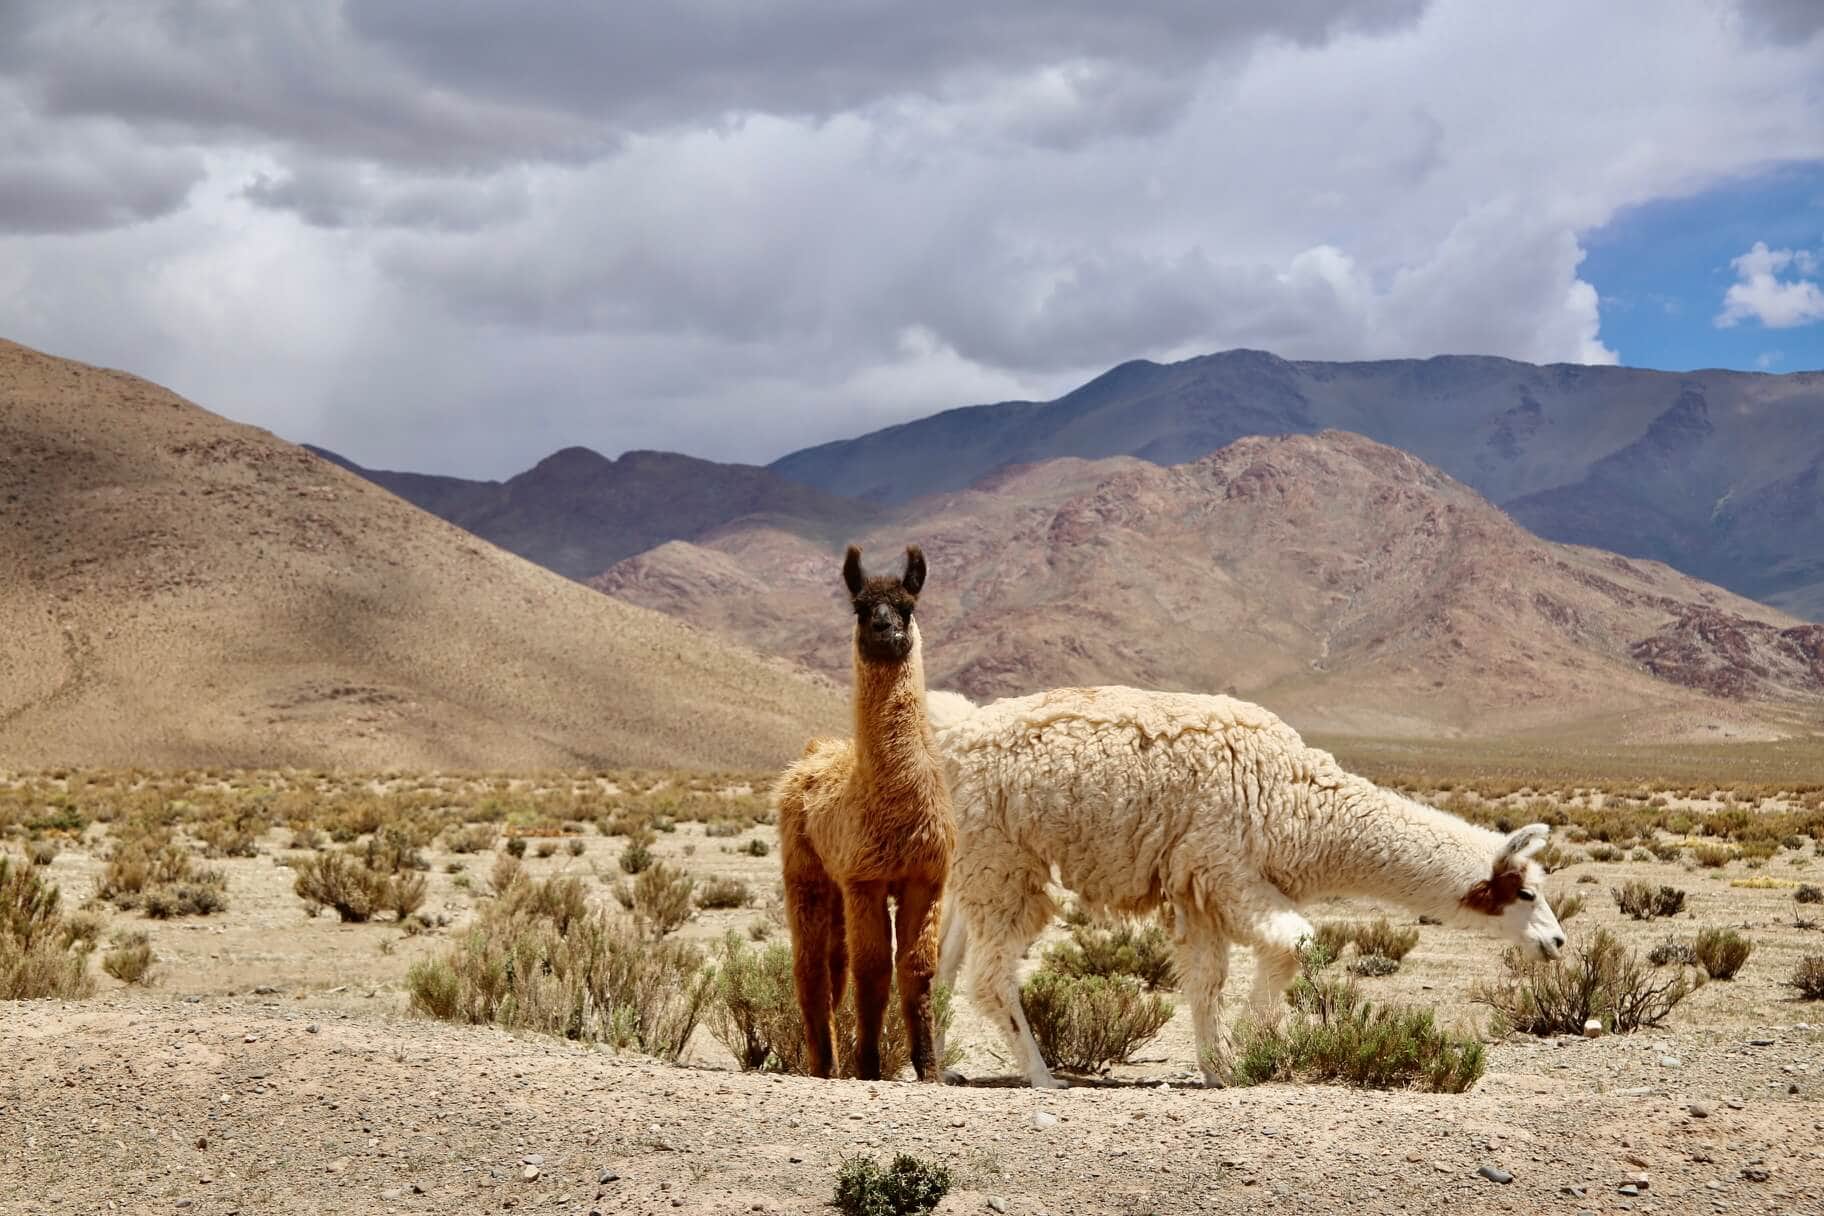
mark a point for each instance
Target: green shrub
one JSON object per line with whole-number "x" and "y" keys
{"x": 1645, "y": 902}
{"x": 1373, "y": 966}
{"x": 755, "y": 848}
{"x": 1334, "y": 1034}
{"x": 516, "y": 846}
{"x": 1382, "y": 938}
{"x": 905, "y": 1188}
{"x": 636, "y": 858}
{"x": 1721, "y": 952}
{"x": 1605, "y": 852}
{"x": 1087, "y": 1023}
{"x": 1601, "y": 979}
{"x": 1122, "y": 948}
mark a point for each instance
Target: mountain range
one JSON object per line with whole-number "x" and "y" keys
{"x": 1349, "y": 585}
{"x": 180, "y": 590}
{"x": 1717, "y": 473}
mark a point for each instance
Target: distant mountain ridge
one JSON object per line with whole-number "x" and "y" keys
{"x": 577, "y": 512}
{"x": 1717, "y": 473}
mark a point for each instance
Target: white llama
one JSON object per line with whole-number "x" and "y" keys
{"x": 1208, "y": 810}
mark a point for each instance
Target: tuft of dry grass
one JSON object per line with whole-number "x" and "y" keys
{"x": 1807, "y": 978}
{"x": 724, "y": 893}
{"x": 659, "y": 898}
{"x": 1721, "y": 952}
{"x": 129, "y": 958}
{"x": 356, "y": 890}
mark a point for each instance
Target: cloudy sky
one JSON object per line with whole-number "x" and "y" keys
{"x": 451, "y": 235}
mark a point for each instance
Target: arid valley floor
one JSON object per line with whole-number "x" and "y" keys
{"x": 272, "y": 1064}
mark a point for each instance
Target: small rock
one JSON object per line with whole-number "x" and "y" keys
{"x": 533, "y": 1159}
{"x": 1760, "y": 1042}
{"x": 1733, "y": 1103}
{"x": 1573, "y": 1192}
{"x": 1755, "y": 1173}
{"x": 530, "y": 1173}
{"x": 1629, "y": 1189}
{"x": 202, "y": 1142}
{"x": 250, "y": 1038}
{"x": 1671, "y": 1062}
{"x": 608, "y": 1176}
{"x": 392, "y": 1193}
{"x": 1043, "y": 1119}
{"x": 312, "y": 1028}
{"x": 264, "y": 990}
{"x": 1699, "y": 1110}
{"x": 1495, "y": 1174}
{"x": 184, "y": 1203}
{"x": 1592, "y": 1029}
{"x": 996, "y": 1203}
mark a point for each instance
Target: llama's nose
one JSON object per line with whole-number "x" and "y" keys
{"x": 1558, "y": 940}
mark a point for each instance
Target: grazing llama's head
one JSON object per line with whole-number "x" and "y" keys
{"x": 884, "y": 632}
{"x": 1512, "y": 895}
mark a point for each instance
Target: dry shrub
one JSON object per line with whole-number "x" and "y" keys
{"x": 233, "y": 835}
{"x": 148, "y": 870}
{"x": 38, "y": 958}
{"x": 129, "y": 958}
{"x": 659, "y": 898}
{"x": 1605, "y": 852}
{"x": 1334, "y": 1034}
{"x": 1601, "y": 980}
{"x": 595, "y": 980}
{"x": 471, "y": 838}
{"x": 724, "y": 893}
{"x": 1642, "y": 901}
{"x": 1566, "y": 904}
{"x": 1808, "y": 978}
{"x": 355, "y": 890}
{"x": 561, "y": 901}
{"x": 636, "y": 858}
{"x": 1713, "y": 856}
{"x": 755, "y": 1015}
{"x": 1808, "y": 894}
{"x": 1124, "y": 947}
{"x": 1373, "y": 966}
{"x": 1669, "y": 952}
{"x": 1088, "y": 1023}
{"x": 755, "y": 848}
{"x": 1721, "y": 952}
{"x": 41, "y": 852}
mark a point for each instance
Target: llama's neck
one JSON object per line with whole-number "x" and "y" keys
{"x": 1375, "y": 843}
{"x": 893, "y": 741}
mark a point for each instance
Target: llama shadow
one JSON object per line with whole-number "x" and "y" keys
{"x": 1016, "y": 1081}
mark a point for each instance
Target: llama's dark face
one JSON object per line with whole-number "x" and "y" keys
{"x": 883, "y": 605}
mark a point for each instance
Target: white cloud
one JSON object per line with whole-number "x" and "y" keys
{"x": 1760, "y": 294}
{"x": 446, "y": 237}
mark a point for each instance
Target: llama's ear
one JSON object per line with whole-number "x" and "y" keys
{"x": 915, "y": 569}
{"x": 1522, "y": 845}
{"x": 851, "y": 570}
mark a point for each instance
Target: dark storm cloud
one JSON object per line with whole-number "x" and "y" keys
{"x": 1786, "y": 21}
{"x": 87, "y": 175}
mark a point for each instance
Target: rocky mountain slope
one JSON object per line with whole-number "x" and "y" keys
{"x": 578, "y": 512}
{"x": 1347, "y": 584}
{"x": 1716, "y": 473}
{"x": 177, "y": 589}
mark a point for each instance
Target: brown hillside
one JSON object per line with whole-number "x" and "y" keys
{"x": 1345, "y": 583}
{"x": 178, "y": 589}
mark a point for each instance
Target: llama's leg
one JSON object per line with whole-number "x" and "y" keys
{"x": 1203, "y": 958}
{"x": 870, "y": 934}
{"x": 1004, "y": 913}
{"x": 916, "y": 930}
{"x": 813, "y": 909}
{"x": 950, "y": 960}
{"x": 1276, "y": 930}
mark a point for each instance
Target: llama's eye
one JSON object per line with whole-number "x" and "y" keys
{"x": 1527, "y": 895}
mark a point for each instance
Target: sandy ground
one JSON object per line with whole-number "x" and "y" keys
{"x": 273, "y": 1067}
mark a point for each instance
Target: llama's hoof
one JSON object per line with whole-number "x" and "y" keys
{"x": 1211, "y": 1081}
{"x": 1050, "y": 1083}
{"x": 953, "y": 1077}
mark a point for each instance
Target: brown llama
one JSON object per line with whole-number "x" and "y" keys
{"x": 865, "y": 820}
